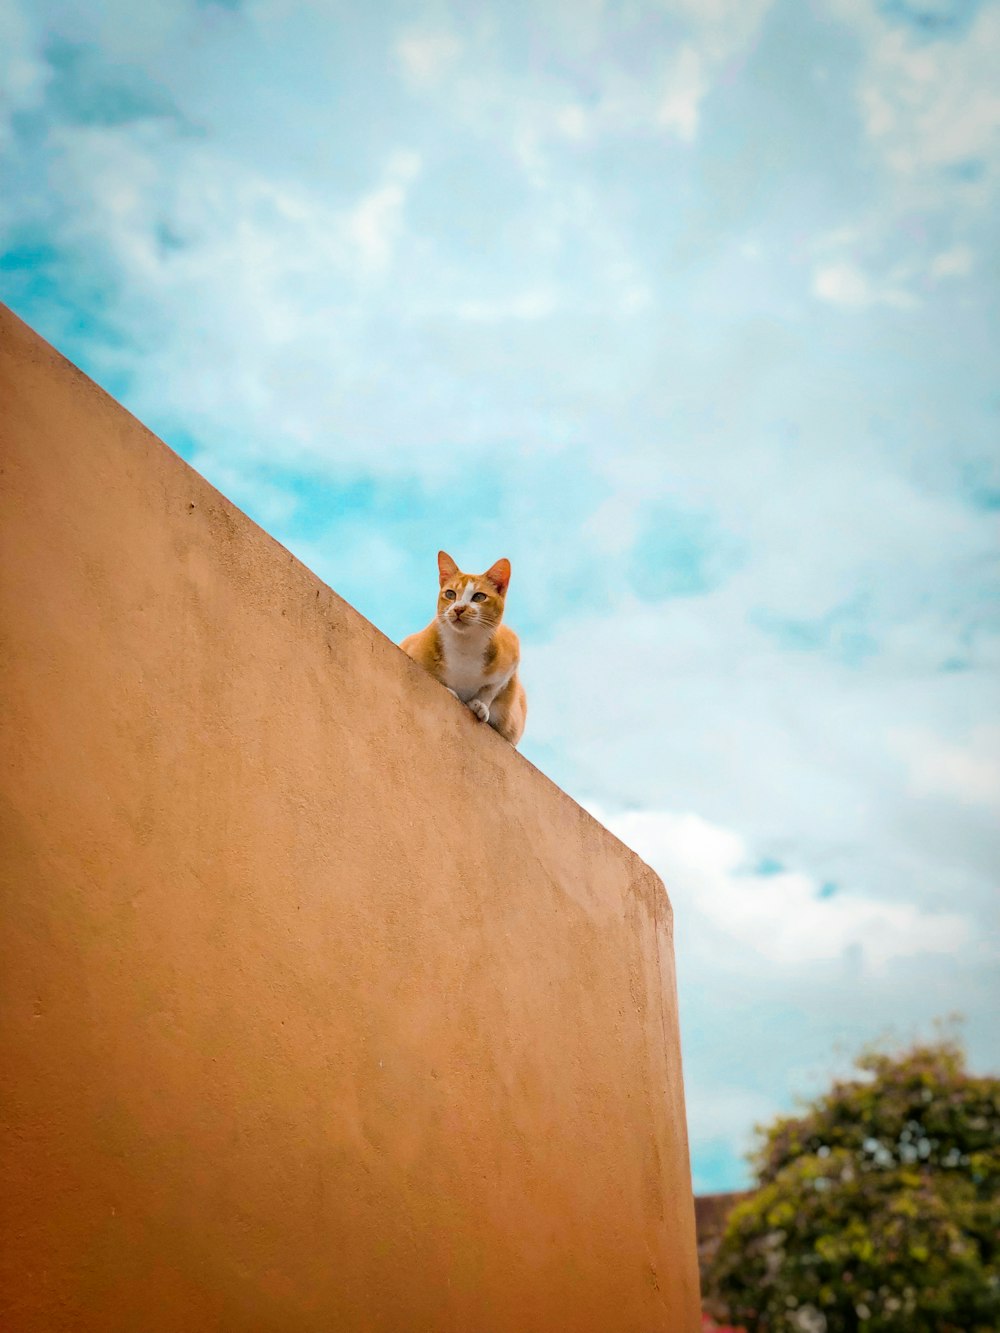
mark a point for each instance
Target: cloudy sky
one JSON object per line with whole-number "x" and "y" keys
{"x": 689, "y": 307}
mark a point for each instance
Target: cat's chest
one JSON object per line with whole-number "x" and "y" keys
{"x": 464, "y": 668}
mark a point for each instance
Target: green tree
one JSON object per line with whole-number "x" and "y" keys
{"x": 877, "y": 1209}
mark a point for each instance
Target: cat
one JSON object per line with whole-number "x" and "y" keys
{"x": 467, "y": 649}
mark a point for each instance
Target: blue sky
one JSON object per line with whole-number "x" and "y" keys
{"x": 690, "y": 309}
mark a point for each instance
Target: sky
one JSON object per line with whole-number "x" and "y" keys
{"x": 689, "y": 308}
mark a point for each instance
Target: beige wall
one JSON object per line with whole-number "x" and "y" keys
{"x": 321, "y": 1008}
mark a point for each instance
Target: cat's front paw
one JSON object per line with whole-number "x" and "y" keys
{"x": 480, "y": 709}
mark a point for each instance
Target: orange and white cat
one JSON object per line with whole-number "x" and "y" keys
{"x": 469, "y": 651}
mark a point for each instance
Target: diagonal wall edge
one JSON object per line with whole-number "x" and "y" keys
{"x": 321, "y": 1008}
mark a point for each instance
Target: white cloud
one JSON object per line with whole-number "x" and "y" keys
{"x": 929, "y": 105}
{"x": 844, "y": 284}
{"x": 572, "y": 121}
{"x": 686, "y": 86}
{"x": 727, "y": 25}
{"x": 613, "y": 526}
{"x": 23, "y": 73}
{"x": 718, "y": 13}
{"x": 770, "y": 731}
{"x": 783, "y": 917}
{"x": 247, "y": 287}
{"x": 967, "y": 773}
{"x": 376, "y": 220}
{"x": 535, "y": 112}
{"x": 717, "y": 30}
{"x": 529, "y": 306}
{"x": 930, "y": 112}
{"x": 957, "y": 262}
{"x": 426, "y": 56}
{"x": 634, "y": 299}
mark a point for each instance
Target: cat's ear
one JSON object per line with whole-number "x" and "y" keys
{"x": 447, "y": 569}
{"x": 499, "y": 575}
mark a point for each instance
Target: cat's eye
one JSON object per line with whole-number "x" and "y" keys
{"x": 479, "y": 597}
{"x": 450, "y": 594}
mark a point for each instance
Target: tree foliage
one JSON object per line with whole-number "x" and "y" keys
{"x": 877, "y": 1209}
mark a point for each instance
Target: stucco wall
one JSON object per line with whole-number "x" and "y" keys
{"x": 321, "y": 1008}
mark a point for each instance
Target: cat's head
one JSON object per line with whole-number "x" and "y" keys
{"x": 470, "y": 601}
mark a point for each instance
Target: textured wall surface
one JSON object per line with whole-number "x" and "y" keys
{"x": 321, "y": 1008}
